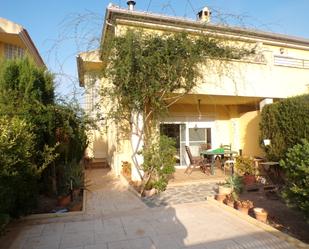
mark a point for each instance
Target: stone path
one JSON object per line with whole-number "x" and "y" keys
{"x": 107, "y": 195}
{"x": 181, "y": 194}
{"x": 199, "y": 225}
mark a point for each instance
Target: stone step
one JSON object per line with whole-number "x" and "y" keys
{"x": 96, "y": 165}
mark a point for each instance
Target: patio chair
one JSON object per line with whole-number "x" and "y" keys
{"x": 196, "y": 162}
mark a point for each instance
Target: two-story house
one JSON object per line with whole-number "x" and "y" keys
{"x": 15, "y": 42}
{"x": 221, "y": 110}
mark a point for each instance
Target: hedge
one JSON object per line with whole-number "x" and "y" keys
{"x": 285, "y": 123}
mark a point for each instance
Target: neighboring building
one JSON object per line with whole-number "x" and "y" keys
{"x": 222, "y": 111}
{"x": 15, "y": 42}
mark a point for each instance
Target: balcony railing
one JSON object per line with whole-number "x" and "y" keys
{"x": 290, "y": 62}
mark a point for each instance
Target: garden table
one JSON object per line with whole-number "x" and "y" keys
{"x": 272, "y": 170}
{"x": 219, "y": 152}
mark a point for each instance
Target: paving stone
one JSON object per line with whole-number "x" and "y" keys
{"x": 191, "y": 225}
{"x": 181, "y": 194}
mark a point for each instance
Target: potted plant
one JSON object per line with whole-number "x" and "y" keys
{"x": 260, "y": 214}
{"x": 224, "y": 188}
{"x": 64, "y": 200}
{"x": 149, "y": 189}
{"x": 244, "y": 206}
{"x": 245, "y": 166}
{"x": 229, "y": 200}
{"x": 220, "y": 197}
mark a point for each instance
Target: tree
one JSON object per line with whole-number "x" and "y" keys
{"x": 147, "y": 73}
{"x": 42, "y": 141}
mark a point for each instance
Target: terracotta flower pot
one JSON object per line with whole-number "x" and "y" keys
{"x": 243, "y": 206}
{"x": 244, "y": 210}
{"x": 64, "y": 201}
{"x": 260, "y": 214}
{"x": 220, "y": 197}
{"x": 229, "y": 203}
{"x": 224, "y": 190}
{"x": 149, "y": 193}
{"x": 248, "y": 179}
{"x": 76, "y": 193}
{"x": 76, "y": 207}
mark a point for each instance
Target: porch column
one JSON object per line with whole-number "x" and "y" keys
{"x": 234, "y": 121}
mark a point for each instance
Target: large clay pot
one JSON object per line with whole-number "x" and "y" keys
{"x": 243, "y": 206}
{"x": 229, "y": 203}
{"x": 220, "y": 197}
{"x": 249, "y": 179}
{"x": 148, "y": 193}
{"x": 76, "y": 207}
{"x": 224, "y": 190}
{"x": 64, "y": 201}
{"x": 243, "y": 210}
{"x": 260, "y": 214}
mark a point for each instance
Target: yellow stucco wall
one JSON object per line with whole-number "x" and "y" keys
{"x": 249, "y": 133}
{"x": 240, "y": 79}
{"x": 249, "y": 77}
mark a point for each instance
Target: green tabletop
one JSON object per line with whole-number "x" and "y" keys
{"x": 218, "y": 151}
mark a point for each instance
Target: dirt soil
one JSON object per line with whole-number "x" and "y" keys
{"x": 50, "y": 205}
{"x": 280, "y": 216}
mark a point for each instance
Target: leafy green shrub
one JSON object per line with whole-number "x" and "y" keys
{"x": 159, "y": 161}
{"x": 296, "y": 165}
{"x": 41, "y": 142}
{"x": 245, "y": 166}
{"x": 285, "y": 123}
{"x": 18, "y": 172}
{"x": 4, "y": 220}
{"x": 236, "y": 183}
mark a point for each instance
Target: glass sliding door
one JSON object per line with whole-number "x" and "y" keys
{"x": 183, "y": 142}
{"x": 187, "y": 133}
{"x": 173, "y": 131}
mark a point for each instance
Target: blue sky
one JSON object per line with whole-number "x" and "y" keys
{"x": 51, "y": 23}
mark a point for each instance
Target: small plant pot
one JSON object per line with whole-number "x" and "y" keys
{"x": 76, "y": 193}
{"x": 244, "y": 210}
{"x": 249, "y": 179}
{"x": 149, "y": 193}
{"x": 64, "y": 201}
{"x": 229, "y": 203}
{"x": 243, "y": 206}
{"x": 260, "y": 214}
{"x": 224, "y": 190}
{"x": 220, "y": 197}
{"x": 76, "y": 207}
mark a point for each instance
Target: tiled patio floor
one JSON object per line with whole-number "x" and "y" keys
{"x": 198, "y": 225}
{"x": 188, "y": 193}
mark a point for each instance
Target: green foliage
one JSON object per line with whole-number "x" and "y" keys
{"x": 21, "y": 80}
{"x": 296, "y": 165}
{"x": 285, "y": 123}
{"x": 236, "y": 183}
{"x": 146, "y": 70}
{"x": 18, "y": 172}
{"x": 4, "y": 220}
{"x": 245, "y": 166}
{"x": 159, "y": 161}
{"x": 39, "y": 139}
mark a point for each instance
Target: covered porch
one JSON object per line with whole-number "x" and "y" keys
{"x": 196, "y": 177}
{"x": 212, "y": 120}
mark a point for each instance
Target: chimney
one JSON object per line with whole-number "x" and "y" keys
{"x": 131, "y": 5}
{"x": 204, "y": 15}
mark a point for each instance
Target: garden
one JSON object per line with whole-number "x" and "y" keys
{"x": 42, "y": 141}
{"x": 279, "y": 194}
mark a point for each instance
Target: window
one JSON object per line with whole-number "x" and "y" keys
{"x": 13, "y": 52}
{"x": 290, "y": 62}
